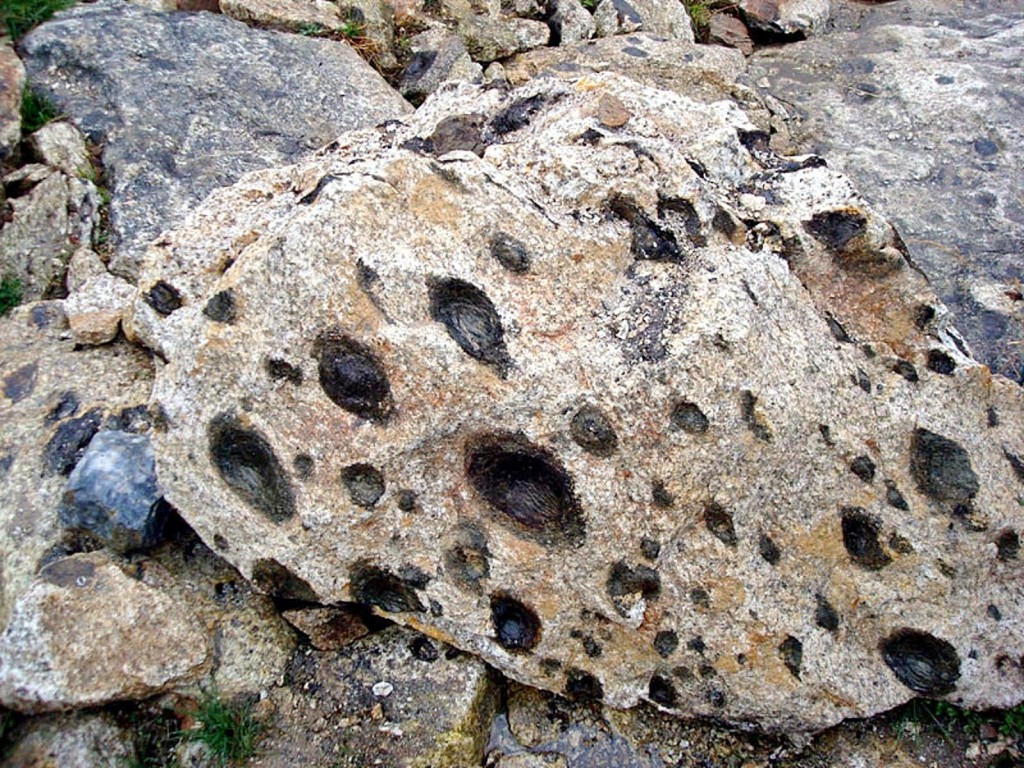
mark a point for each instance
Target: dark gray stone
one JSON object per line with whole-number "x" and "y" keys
{"x": 185, "y": 103}
{"x": 113, "y": 495}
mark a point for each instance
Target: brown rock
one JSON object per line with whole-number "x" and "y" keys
{"x": 94, "y": 311}
{"x": 611, "y": 112}
{"x": 328, "y": 628}
{"x": 731, "y": 32}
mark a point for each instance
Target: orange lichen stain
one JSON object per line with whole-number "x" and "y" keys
{"x": 728, "y": 594}
{"x": 427, "y": 629}
{"x": 431, "y": 200}
{"x": 825, "y": 541}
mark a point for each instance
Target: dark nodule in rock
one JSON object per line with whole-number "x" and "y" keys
{"x": 163, "y": 297}
{"x": 112, "y": 493}
{"x": 365, "y": 484}
{"x": 510, "y": 253}
{"x": 376, "y": 586}
{"x": 942, "y": 468}
{"x": 626, "y": 583}
{"x": 516, "y": 626}
{"x": 689, "y": 418}
{"x": 582, "y": 686}
{"x": 471, "y": 320}
{"x": 719, "y": 522}
{"x": 468, "y": 560}
{"x": 528, "y": 486}
{"x": 662, "y": 692}
{"x": 221, "y": 308}
{"x": 247, "y": 463}
{"x": 69, "y": 442}
{"x": 791, "y": 651}
{"x": 860, "y": 537}
{"x": 593, "y": 431}
{"x": 271, "y": 577}
{"x": 922, "y": 662}
{"x": 768, "y": 549}
{"x": 825, "y": 615}
{"x": 352, "y": 376}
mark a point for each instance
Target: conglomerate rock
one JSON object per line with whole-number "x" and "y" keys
{"x": 582, "y": 378}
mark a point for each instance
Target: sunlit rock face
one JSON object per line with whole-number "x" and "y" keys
{"x": 583, "y": 379}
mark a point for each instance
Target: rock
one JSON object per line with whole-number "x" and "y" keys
{"x": 487, "y": 38}
{"x": 376, "y": 23}
{"x": 894, "y": 98}
{"x": 436, "y": 715}
{"x": 437, "y": 57}
{"x": 84, "y": 265}
{"x": 61, "y": 146}
{"x": 663, "y": 19}
{"x": 113, "y": 494}
{"x": 328, "y": 628}
{"x": 574, "y": 397}
{"x": 162, "y": 153}
{"x": 615, "y": 17}
{"x": 51, "y": 221}
{"x": 85, "y": 634}
{"x": 12, "y": 82}
{"x": 72, "y": 741}
{"x": 54, "y": 398}
{"x": 731, "y": 32}
{"x": 291, "y": 15}
{"x": 21, "y": 180}
{"x": 705, "y": 73}
{"x": 570, "y": 22}
{"x": 785, "y": 17}
{"x": 94, "y": 311}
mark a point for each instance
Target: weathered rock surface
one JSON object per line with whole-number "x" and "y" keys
{"x": 85, "y": 633}
{"x": 149, "y": 86}
{"x": 489, "y": 37}
{"x": 393, "y": 698}
{"x": 95, "y": 308}
{"x": 570, "y": 22}
{"x": 729, "y": 31}
{"x": 328, "y": 627}
{"x": 72, "y": 741}
{"x": 785, "y": 17}
{"x": 292, "y": 15}
{"x": 54, "y": 399}
{"x": 437, "y": 56}
{"x": 919, "y": 103}
{"x": 113, "y": 494}
{"x": 662, "y": 19}
{"x": 60, "y": 145}
{"x": 583, "y": 400}
{"x": 12, "y": 81}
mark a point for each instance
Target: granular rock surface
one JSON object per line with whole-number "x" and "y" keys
{"x": 583, "y": 379}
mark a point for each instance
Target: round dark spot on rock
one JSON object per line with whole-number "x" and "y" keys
{"x": 626, "y": 584}
{"x": 894, "y": 498}
{"x": 922, "y": 662}
{"x": 220, "y": 543}
{"x": 279, "y": 370}
{"x": 510, "y": 253}
{"x": 835, "y": 229}
{"x": 1016, "y": 464}
{"x": 907, "y": 370}
{"x": 993, "y": 417}
{"x": 662, "y": 692}
{"x": 716, "y": 698}
{"x": 550, "y": 667}
{"x": 582, "y": 686}
{"x": 468, "y": 560}
{"x": 940, "y": 362}
{"x": 768, "y": 549}
{"x": 458, "y": 133}
{"x": 696, "y": 644}
{"x": 221, "y": 307}
{"x": 690, "y": 418}
{"x": 942, "y": 468}
{"x": 1007, "y": 545}
{"x": 666, "y": 642}
{"x": 365, "y": 484}
{"x": 352, "y": 376}
{"x": 65, "y": 407}
{"x": 825, "y": 615}
{"x": 471, "y": 320}
{"x": 436, "y": 609}
{"x": 591, "y": 647}
{"x": 304, "y": 465}
{"x": 424, "y": 650}
{"x": 994, "y": 613}
{"x": 660, "y": 495}
{"x": 900, "y": 544}
{"x": 719, "y": 522}
{"x": 407, "y": 500}
{"x": 21, "y": 383}
{"x": 924, "y": 314}
{"x": 592, "y": 431}
{"x": 650, "y": 548}
{"x": 985, "y": 147}
{"x": 64, "y": 450}
{"x": 864, "y": 468}
{"x": 272, "y": 578}
{"x": 373, "y": 585}
{"x": 163, "y": 297}
{"x": 944, "y": 80}
{"x": 516, "y": 626}
{"x": 249, "y": 467}
{"x": 791, "y": 651}
{"x": 528, "y": 486}
{"x": 700, "y": 597}
{"x": 860, "y": 537}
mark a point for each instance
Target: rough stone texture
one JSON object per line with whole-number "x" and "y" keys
{"x": 53, "y": 399}
{"x": 615, "y": 17}
{"x": 729, "y": 31}
{"x": 488, "y": 38}
{"x": 785, "y": 17}
{"x": 84, "y": 265}
{"x": 920, "y": 106}
{"x": 85, "y": 633}
{"x": 437, "y": 57}
{"x": 664, "y": 19}
{"x": 94, "y": 310}
{"x": 49, "y": 223}
{"x": 570, "y": 22}
{"x": 376, "y": 24}
{"x": 701, "y": 72}
{"x": 12, "y": 81}
{"x": 292, "y": 15}
{"x": 328, "y": 628}
{"x": 72, "y": 741}
{"x": 394, "y": 698}
{"x": 578, "y": 402}
{"x": 113, "y": 494}
{"x": 60, "y": 145}
{"x": 149, "y": 87}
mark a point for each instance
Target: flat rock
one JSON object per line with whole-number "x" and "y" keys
{"x": 490, "y": 37}
{"x": 393, "y": 698}
{"x": 84, "y": 633}
{"x": 95, "y": 309}
{"x": 914, "y": 101}
{"x": 291, "y": 15}
{"x": 785, "y": 17}
{"x": 729, "y": 31}
{"x": 584, "y": 401}
{"x": 148, "y": 86}
{"x": 54, "y": 398}
{"x": 60, "y": 145}
{"x": 12, "y": 81}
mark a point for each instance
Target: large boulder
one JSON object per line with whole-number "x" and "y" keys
{"x": 919, "y": 103}
{"x": 582, "y": 378}
{"x": 151, "y": 88}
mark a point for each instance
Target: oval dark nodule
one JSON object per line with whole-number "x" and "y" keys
{"x": 922, "y": 662}
{"x": 352, "y": 376}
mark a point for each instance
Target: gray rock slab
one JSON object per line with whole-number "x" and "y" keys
{"x": 187, "y": 102}
{"x": 12, "y": 80}
{"x": 921, "y": 103}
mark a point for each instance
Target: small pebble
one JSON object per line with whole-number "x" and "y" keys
{"x": 383, "y": 688}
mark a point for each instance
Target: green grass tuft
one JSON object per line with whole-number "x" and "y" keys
{"x": 19, "y": 17}
{"x": 10, "y": 294}
{"x": 229, "y": 730}
{"x": 36, "y": 111}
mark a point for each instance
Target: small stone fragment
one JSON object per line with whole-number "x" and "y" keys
{"x": 60, "y": 145}
{"x": 731, "y": 32}
{"x": 328, "y": 628}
